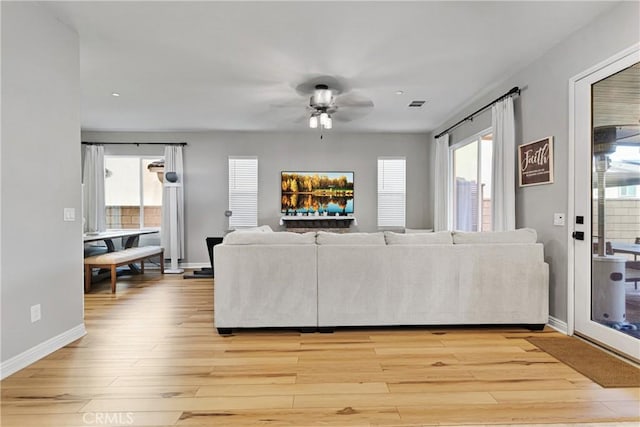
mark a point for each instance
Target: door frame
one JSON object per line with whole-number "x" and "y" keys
{"x": 571, "y": 263}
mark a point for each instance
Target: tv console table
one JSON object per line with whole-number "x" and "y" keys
{"x": 313, "y": 223}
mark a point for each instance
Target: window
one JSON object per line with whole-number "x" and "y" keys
{"x": 243, "y": 192}
{"x": 622, "y": 174}
{"x": 133, "y": 194}
{"x": 472, "y": 165}
{"x": 391, "y": 192}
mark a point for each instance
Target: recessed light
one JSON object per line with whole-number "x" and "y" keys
{"x": 399, "y": 92}
{"x": 115, "y": 94}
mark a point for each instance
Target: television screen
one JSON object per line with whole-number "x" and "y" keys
{"x": 311, "y": 192}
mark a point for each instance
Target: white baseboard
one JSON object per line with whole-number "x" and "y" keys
{"x": 194, "y": 265}
{"x": 26, "y": 358}
{"x": 189, "y": 265}
{"x": 558, "y": 325}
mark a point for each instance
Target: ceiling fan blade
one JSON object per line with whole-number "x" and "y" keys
{"x": 348, "y": 114}
{"x": 301, "y": 119}
{"x": 353, "y": 99}
{"x": 289, "y": 103}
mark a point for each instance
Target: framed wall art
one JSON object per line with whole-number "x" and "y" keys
{"x": 535, "y": 162}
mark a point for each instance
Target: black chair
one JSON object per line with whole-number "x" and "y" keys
{"x": 206, "y": 271}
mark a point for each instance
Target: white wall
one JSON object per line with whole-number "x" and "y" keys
{"x": 542, "y": 110}
{"x": 41, "y": 254}
{"x": 206, "y": 181}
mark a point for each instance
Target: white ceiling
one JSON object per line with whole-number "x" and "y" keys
{"x": 233, "y": 65}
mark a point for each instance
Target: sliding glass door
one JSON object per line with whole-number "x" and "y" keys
{"x": 471, "y": 183}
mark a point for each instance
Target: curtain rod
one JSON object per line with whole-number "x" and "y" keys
{"x": 514, "y": 91}
{"x": 182, "y": 144}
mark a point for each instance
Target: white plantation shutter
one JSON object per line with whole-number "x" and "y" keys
{"x": 391, "y": 192}
{"x": 243, "y": 192}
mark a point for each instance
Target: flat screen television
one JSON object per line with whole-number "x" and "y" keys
{"x": 322, "y": 192}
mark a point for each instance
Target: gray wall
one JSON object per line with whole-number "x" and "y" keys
{"x": 542, "y": 110}
{"x": 40, "y": 169}
{"x": 206, "y": 168}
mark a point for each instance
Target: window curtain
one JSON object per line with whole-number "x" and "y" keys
{"x": 173, "y": 163}
{"x": 441, "y": 202}
{"x": 503, "y": 192}
{"x": 93, "y": 208}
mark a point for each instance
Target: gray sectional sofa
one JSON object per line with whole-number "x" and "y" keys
{"x": 327, "y": 280}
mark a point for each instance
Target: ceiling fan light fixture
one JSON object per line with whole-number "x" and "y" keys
{"x": 322, "y": 96}
{"x": 328, "y": 124}
{"x": 323, "y": 119}
{"x": 313, "y": 121}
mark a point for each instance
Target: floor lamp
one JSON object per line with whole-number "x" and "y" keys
{"x": 171, "y": 182}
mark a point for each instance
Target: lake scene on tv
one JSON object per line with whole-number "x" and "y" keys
{"x": 325, "y": 193}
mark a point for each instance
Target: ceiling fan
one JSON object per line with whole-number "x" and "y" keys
{"x": 331, "y": 98}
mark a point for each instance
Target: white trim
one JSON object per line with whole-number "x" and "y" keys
{"x": 558, "y": 325}
{"x": 41, "y": 350}
{"x": 194, "y": 265}
{"x": 571, "y": 214}
{"x": 603, "y": 64}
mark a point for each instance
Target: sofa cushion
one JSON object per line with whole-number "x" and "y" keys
{"x": 326, "y": 238}
{"x": 523, "y": 235}
{"x": 418, "y": 230}
{"x": 260, "y": 229}
{"x": 439, "y": 238}
{"x": 275, "y": 238}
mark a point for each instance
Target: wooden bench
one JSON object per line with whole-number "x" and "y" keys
{"x": 112, "y": 260}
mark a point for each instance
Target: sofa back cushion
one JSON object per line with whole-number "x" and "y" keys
{"x": 260, "y": 229}
{"x": 325, "y": 238}
{"x": 418, "y": 230}
{"x": 275, "y": 238}
{"x": 523, "y": 235}
{"x": 439, "y": 238}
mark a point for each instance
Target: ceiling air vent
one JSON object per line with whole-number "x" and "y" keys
{"x": 416, "y": 104}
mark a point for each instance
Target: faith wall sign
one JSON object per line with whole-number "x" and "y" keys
{"x": 535, "y": 162}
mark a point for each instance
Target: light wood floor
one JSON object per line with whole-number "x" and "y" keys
{"x": 153, "y": 358}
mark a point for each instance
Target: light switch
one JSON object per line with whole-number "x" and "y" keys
{"x": 69, "y": 214}
{"x": 558, "y": 219}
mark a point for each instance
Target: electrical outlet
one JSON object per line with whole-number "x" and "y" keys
{"x": 36, "y": 314}
{"x": 558, "y": 219}
{"x": 69, "y": 214}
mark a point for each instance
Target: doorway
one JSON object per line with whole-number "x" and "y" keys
{"x": 606, "y": 203}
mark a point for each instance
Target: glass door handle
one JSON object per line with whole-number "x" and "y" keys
{"x": 578, "y": 235}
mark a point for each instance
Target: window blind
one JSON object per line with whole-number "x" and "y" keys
{"x": 243, "y": 192}
{"x": 391, "y": 192}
